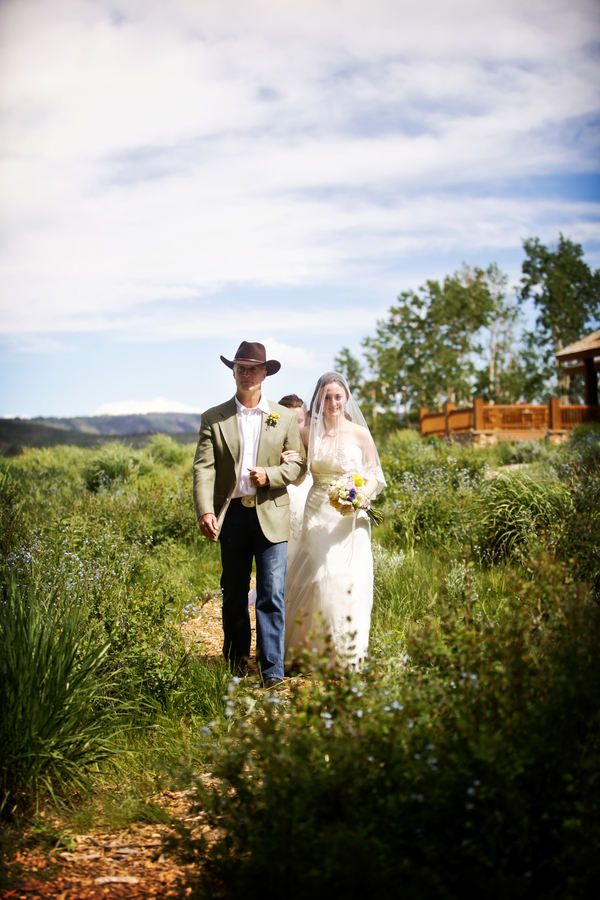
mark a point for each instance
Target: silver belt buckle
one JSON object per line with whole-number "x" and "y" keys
{"x": 249, "y": 500}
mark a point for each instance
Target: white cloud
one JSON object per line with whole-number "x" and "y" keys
{"x": 293, "y": 356}
{"x": 160, "y": 153}
{"x": 143, "y": 407}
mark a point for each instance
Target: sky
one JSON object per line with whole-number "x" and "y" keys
{"x": 177, "y": 176}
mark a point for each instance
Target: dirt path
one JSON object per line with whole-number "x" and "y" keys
{"x": 128, "y": 863}
{"x": 206, "y": 631}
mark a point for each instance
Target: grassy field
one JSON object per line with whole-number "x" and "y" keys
{"x": 463, "y": 758}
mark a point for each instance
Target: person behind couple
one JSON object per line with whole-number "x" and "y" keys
{"x": 240, "y": 495}
{"x": 329, "y": 586}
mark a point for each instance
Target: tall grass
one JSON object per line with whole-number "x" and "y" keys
{"x": 511, "y": 512}
{"x": 54, "y": 721}
{"x": 123, "y": 560}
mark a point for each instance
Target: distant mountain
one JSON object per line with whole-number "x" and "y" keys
{"x": 144, "y": 407}
{"x": 92, "y": 431}
{"x": 168, "y": 422}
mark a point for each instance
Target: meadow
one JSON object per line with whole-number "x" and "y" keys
{"x": 463, "y": 757}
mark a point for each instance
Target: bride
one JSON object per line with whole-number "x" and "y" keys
{"x": 329, "y": 583}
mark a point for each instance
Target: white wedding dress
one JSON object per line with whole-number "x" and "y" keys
{"x": 329, "y": 583}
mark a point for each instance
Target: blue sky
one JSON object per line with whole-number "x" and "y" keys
{"x": 179, "y": 175}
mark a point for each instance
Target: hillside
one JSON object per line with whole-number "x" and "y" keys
{"x": 16, "y": 434}
{"x": 168, "y": 422}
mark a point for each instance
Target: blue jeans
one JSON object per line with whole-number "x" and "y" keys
{"x": 242, "y": 540}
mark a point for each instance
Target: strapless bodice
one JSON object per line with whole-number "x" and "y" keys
{"x": 335, "y": 462}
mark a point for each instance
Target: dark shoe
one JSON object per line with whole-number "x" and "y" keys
{"x": 271, "y": 682}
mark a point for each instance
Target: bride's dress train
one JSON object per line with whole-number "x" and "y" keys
{"x": 329, "y": 584}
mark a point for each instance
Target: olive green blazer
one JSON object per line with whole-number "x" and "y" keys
{"x": 218, "y": 460}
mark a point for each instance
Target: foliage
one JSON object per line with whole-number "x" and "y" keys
{"x": 13, "y": 526}
{"x": 452, "y": 340}
{"x": 430, "y": 486}
{"x": 124, "y": 564}
{"x": 566, "y": 293}
{"x": 580, "y": 471}
{"x": 424, "y": 351}
{"x": 510, "y": 513}
{"x": 347, "y": 364}
{"x": 112, "y": 463}
{"x": 54, "y": 722}
{"x": 166, "y": 451}
{"x": 468, "y": 770}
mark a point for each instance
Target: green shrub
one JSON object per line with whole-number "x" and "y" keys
{"x": 531, "y": 451}
{"x": 155, "y": 511}
{"x": 472, "y": 771}
{"x": 13, "y": 525}
{"x": 580, "y": 472}
{"x": 166, "y": 451}
{"x": 114, "y": 462}
{"x": 54, "y": 723}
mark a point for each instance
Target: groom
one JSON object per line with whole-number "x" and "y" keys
{"x": 240, "y": 494}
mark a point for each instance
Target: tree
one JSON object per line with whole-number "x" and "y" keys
{"x": 348, "y": 366}
{"x": 425, "y": 352}
{"x": 500, "y": 380}
{"x": 566, "y": 294}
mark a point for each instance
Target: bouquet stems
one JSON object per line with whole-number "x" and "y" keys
{"x": 375, "y": 516}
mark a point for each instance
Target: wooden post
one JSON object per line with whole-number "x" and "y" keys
{"x": 448, "y": 407}
{"x": 554, "y": 422}
{"x": 423, "y": 410}
{"x": 478, "y": 413}
{"x": 591, "y": 382}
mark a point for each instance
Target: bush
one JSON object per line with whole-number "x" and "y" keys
{"x": 155, "y": 512}
{"x": 13, "y": 524}
{"x": 165, "y": 451}
{"x": 54, "y": 723}
{"x": 114, "y": 462}
{"x": 580, "y": 472}
{"x": 470, "y": 772}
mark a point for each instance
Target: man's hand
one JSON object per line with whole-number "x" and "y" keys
{"x": 208, "y": 526}
{"x": 258, "y": 477}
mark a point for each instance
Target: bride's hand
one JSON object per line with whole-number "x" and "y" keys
{"x": 289, "y": 456}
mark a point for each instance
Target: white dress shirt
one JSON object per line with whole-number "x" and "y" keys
{"x": 250, "y": 424}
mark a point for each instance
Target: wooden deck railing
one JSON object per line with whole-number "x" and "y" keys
{"x": 572, "y": 416}
{"x": 522, "y": 420}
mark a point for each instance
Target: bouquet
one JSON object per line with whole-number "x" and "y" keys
{"x": 346, "y": 496}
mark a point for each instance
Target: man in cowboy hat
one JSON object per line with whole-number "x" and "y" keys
{"x": 240, "y": 494}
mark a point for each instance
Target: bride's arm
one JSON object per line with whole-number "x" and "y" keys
{"x": 370, "y": 488}
{"x": 287, "y": 455}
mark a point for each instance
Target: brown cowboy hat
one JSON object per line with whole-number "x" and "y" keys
{"x": 251, "y": 353}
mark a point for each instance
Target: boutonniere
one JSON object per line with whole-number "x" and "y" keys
{"x": 272, "y": 420}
